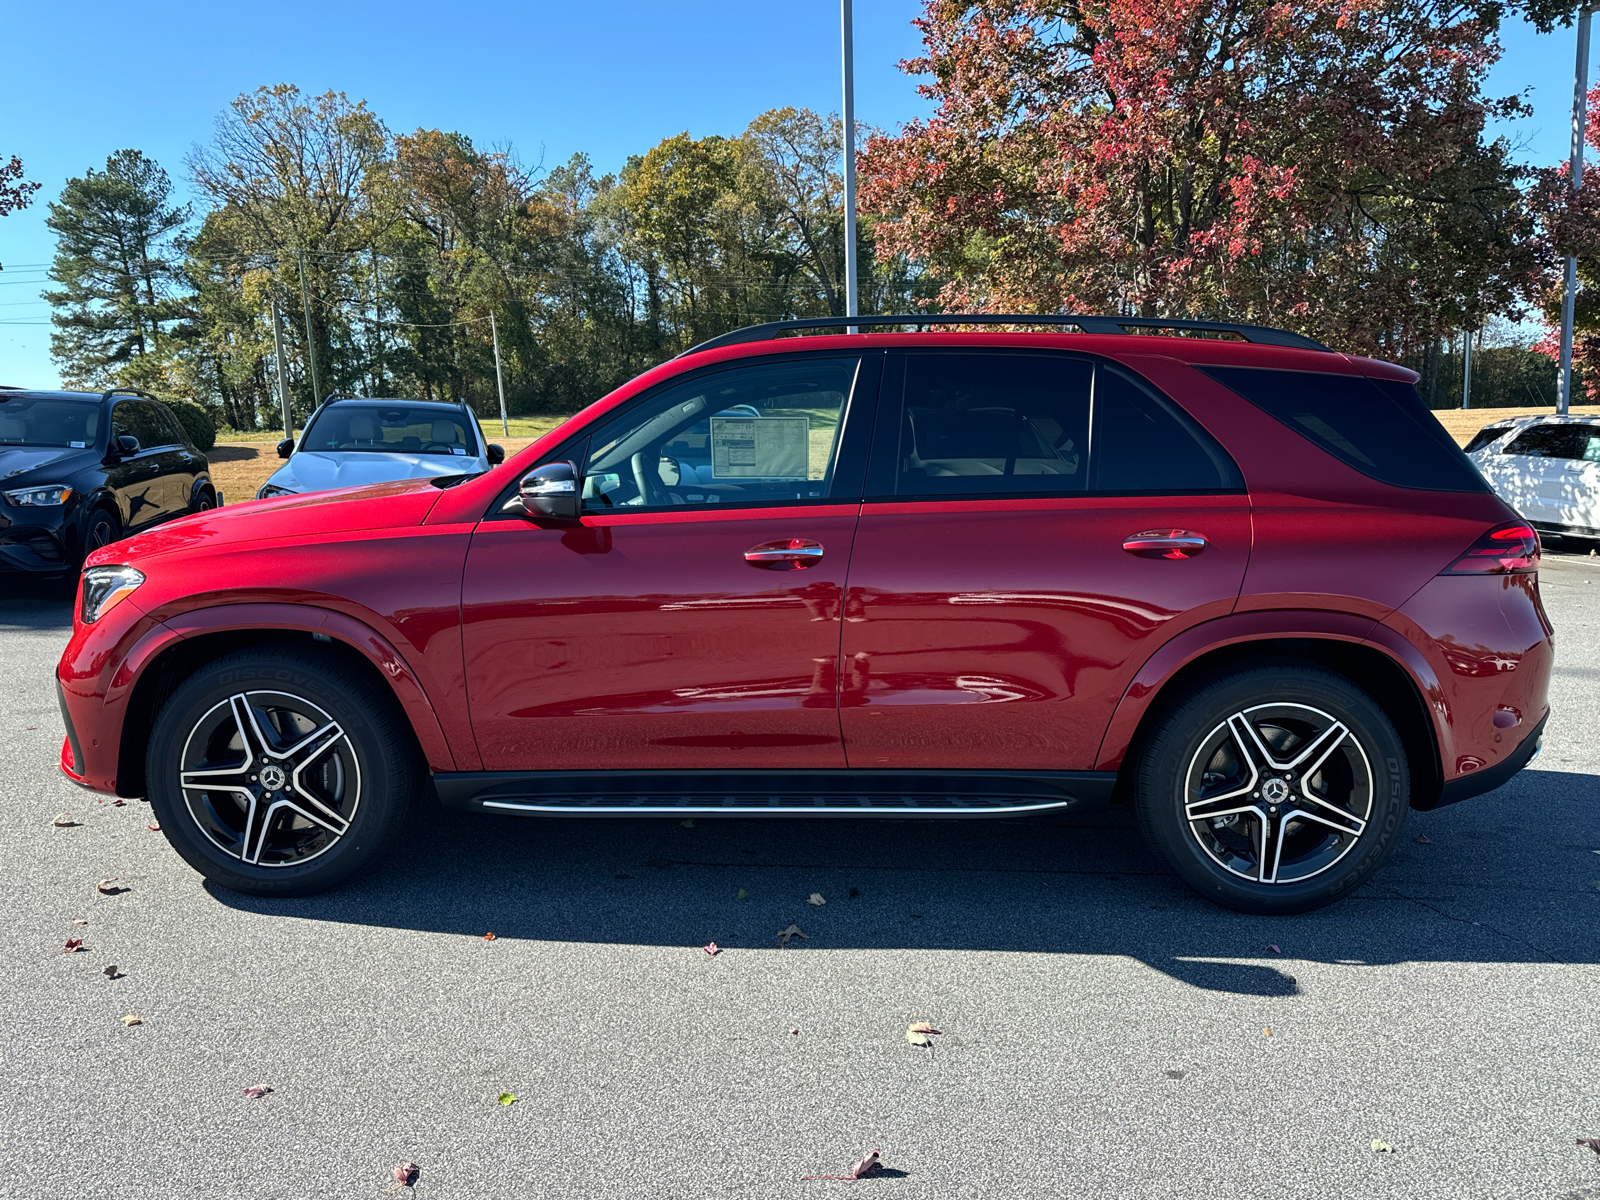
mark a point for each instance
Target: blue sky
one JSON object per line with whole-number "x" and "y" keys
{"x": 610, "y": 79}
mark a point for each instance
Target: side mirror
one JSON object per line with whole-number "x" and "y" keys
{"x": 127, "y": 444}
{"x": 495, "y": 454}
{"x": 551, "y": 491}
{"x": 285, "y": 447}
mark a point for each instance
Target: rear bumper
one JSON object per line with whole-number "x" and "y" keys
{"x": 1486, "y": 780}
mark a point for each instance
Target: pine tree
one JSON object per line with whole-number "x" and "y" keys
{"x": 120, "y": 266}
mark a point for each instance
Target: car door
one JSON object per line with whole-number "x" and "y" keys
{"x": 177, "y": 465}
{"x": 682, "y": 622}
{"x": 136, "y": 478}
{"x": 1536, "y": 475}
{"x": 1035, "y": 526}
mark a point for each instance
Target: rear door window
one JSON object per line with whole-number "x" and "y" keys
{"x": 132, "y": 417}
{"x": 1378, "y": 426}
{"x": 996, "y": 423}
{"x": 1484, "y": 437}
{"x": 1551, "y": 441}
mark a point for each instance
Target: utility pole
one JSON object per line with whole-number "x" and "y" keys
{"x": 1580, "y": 96}
{"x": 377, "y": 325}
{"x": 1466, "y": 369}
{"x": 311, "y": 342}
{"x": 499, "y": 379}
{"x": 847, "y": 22}
{"x": 283, "y": 373}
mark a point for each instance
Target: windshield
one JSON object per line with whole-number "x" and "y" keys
{"x": 26, "y": 421}
{"x": 391, "y": 428}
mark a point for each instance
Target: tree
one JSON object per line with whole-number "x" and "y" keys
{"x": 1570, "y": 225}
{"x": 119, "y": 264}
{"x": 15, "y": 191}
{"x": 1318, "y": 164}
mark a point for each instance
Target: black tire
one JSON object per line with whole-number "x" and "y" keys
{"x": 330, "y": 763}
{"x": 1326, "y": 830}
{"x": 203, "y": 500}
{"x": 101, "y": 529}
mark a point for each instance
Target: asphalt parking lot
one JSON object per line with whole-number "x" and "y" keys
{"x": 1104, "y": 1032}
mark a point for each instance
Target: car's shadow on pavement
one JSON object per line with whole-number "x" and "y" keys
{"x": 1488, "y": 885}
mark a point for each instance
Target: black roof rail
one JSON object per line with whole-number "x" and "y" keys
{"x": 332, "y": 396}
{"x": 126, "y": 391}
{"x": 1261, "y": 335}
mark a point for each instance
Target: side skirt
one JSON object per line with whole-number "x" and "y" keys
{"x": 774, "y": 793}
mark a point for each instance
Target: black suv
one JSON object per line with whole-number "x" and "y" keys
{"x": 79, "y": 470}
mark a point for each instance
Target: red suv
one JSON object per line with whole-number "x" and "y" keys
{"x": 1239, "y": 581}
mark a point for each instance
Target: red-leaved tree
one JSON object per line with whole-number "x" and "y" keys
{"x": 15, "y": 192}
{"x": 1318, "y": 164}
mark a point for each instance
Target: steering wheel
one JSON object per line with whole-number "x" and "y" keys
{"x": 444, "y": 447}
{"x": 646, "y": 480}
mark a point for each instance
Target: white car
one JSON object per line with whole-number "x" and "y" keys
{"x": 352, "y": 441}
{"x": 1547, "y": 468}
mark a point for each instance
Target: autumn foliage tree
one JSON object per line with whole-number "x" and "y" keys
{"x": 1318, "y": 164}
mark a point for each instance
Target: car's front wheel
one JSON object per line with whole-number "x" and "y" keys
{"x": 1277, "y": 788}
{"x": 280, "y": 772}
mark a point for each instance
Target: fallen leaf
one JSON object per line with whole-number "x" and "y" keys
{"x": 79, "y": 921}
{"x": 1274, "y": 948}
{"x": 1266, "y": 1033}
{"x": 112, "y": 972}
{"x": 1382, "y": 1147}
{"x": 791, "y": 933}
{"x": 918, "y": 1039}
{"x": 687, "y": 822}
{"x": 118, "y": 802}
{"x": 131, "y": 1020}
{"x": 256, "y": 1090}
{"x": 816, "y": 898}
{"x": 1423, "y": 839}
{"x": 1594, "y": 885}
{"x": 154, "y": 828}
{"x": 108, "y": 887}
{"x": 1592, "y": 1143}
{"x": 741, "y": 894}
{"x": 488, "y": 937}
{"x": 866, "y": 1166}
{"x": 507, "y": 1099}
{"x": 406, "y": 1173}
{"x": 30, "y": 727}
{"x": 923, "y": 1027}
{"x": 73, "y": 946}
{"x": 65, "y": 821}
{"x": 794, "y": 1031}
{"x": 712, "y": 949}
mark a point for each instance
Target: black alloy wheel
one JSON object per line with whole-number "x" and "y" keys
{"x": 1275, "y": 789}
{"x": 103, "y": 529}
{"x": 280, "y": 771}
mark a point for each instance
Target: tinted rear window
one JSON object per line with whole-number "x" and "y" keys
{"x": 1483, "y": 437}
{"x": 1378, "y": 426}
{"x": 1557, "y": 441}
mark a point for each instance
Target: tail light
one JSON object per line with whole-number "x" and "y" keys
{"x": 1504, "y": 550}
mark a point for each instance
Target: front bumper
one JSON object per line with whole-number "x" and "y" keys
{"x": 34, "y": 549}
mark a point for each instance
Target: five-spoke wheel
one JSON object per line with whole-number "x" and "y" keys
{"x": 1275, "y": 788}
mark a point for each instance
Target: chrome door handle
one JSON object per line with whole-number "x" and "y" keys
{"x": 788, "y": 554}
{"x": 1165, "y": 543}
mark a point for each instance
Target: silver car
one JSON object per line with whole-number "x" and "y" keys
{"x": 353, "y": 441}
{"x": 1547, "y": 468}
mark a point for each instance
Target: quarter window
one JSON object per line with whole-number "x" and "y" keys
{"x": 1556, "y": 441}
{"x": 755, "y": 434}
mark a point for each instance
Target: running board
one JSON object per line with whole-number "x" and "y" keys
{"x": 774, "y": 793}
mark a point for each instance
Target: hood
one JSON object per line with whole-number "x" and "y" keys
{"x": 17, "y": 463}
{"x": 385, "y": 506}
{"x": 315, "y": 471}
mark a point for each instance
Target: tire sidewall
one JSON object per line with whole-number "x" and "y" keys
{"x": 1164, "y": 770}
{"x": 385, "y": 785}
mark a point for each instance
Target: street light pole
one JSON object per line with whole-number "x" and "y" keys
{"x": 283, "y": 374}
{"x": 1580, "y": 96}
{"x": 494, "y": 332}
{"x": 847, "y": 22}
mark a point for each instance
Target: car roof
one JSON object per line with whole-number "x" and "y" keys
{"x": 13, "y": 393}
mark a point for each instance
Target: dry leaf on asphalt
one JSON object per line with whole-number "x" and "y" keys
{"x": 507, "y": 1099}
{"x": 923, "y": 1027}
{"x": 816, "y": 898}
{"x": 488, "y": 937}
{"x": 155, "y": 828}
{"x": 112, "y": 972}
{"x": 867, "y": 1165}
{"x": 794, "y": 1031}
{"x": 1382, "y": 1147}
{"x": 741, "y": 894}
{"x": 790, "y": 933}
{"x": 118, "y": 802}
{"x": 712, "y": 949}
{"x": 73, "y": 946}
{"x": 1592, "y": 1143}
{"x": 687, "y": 822}
{"x": 79, "y": 921}
{"x": 918, "y": 1039}
{"x": 131, "y": 1020}
{"x": 406, "y": 1173}
{"x": 1266, "y": 1033}
{"x": 65, "y": 821}
{"x": 1423, "y": 839}
{"x": 1273, "y": 946}
{"x": 1594, "y": 885}
{"x": 110, "y": 887}
{"x": 255, "y": 1091}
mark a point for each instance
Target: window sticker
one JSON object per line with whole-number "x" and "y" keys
{"x": 760, "y": 447}
{"x": 77, "y": 445}
{"x": 457, "y": 450}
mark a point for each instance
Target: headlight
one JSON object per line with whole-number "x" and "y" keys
{"x": 38, "y": 497}
{"x": 269, "y": 490}
{"x": 106, "y": 587}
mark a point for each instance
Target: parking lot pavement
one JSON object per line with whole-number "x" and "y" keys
{"x": 1105, "y": 1033}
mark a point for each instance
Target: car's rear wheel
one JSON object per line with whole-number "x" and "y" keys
{"x": 1276, "y": 788}
{"x": 203, "y": 501}
{"x": 280, "y": 772}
